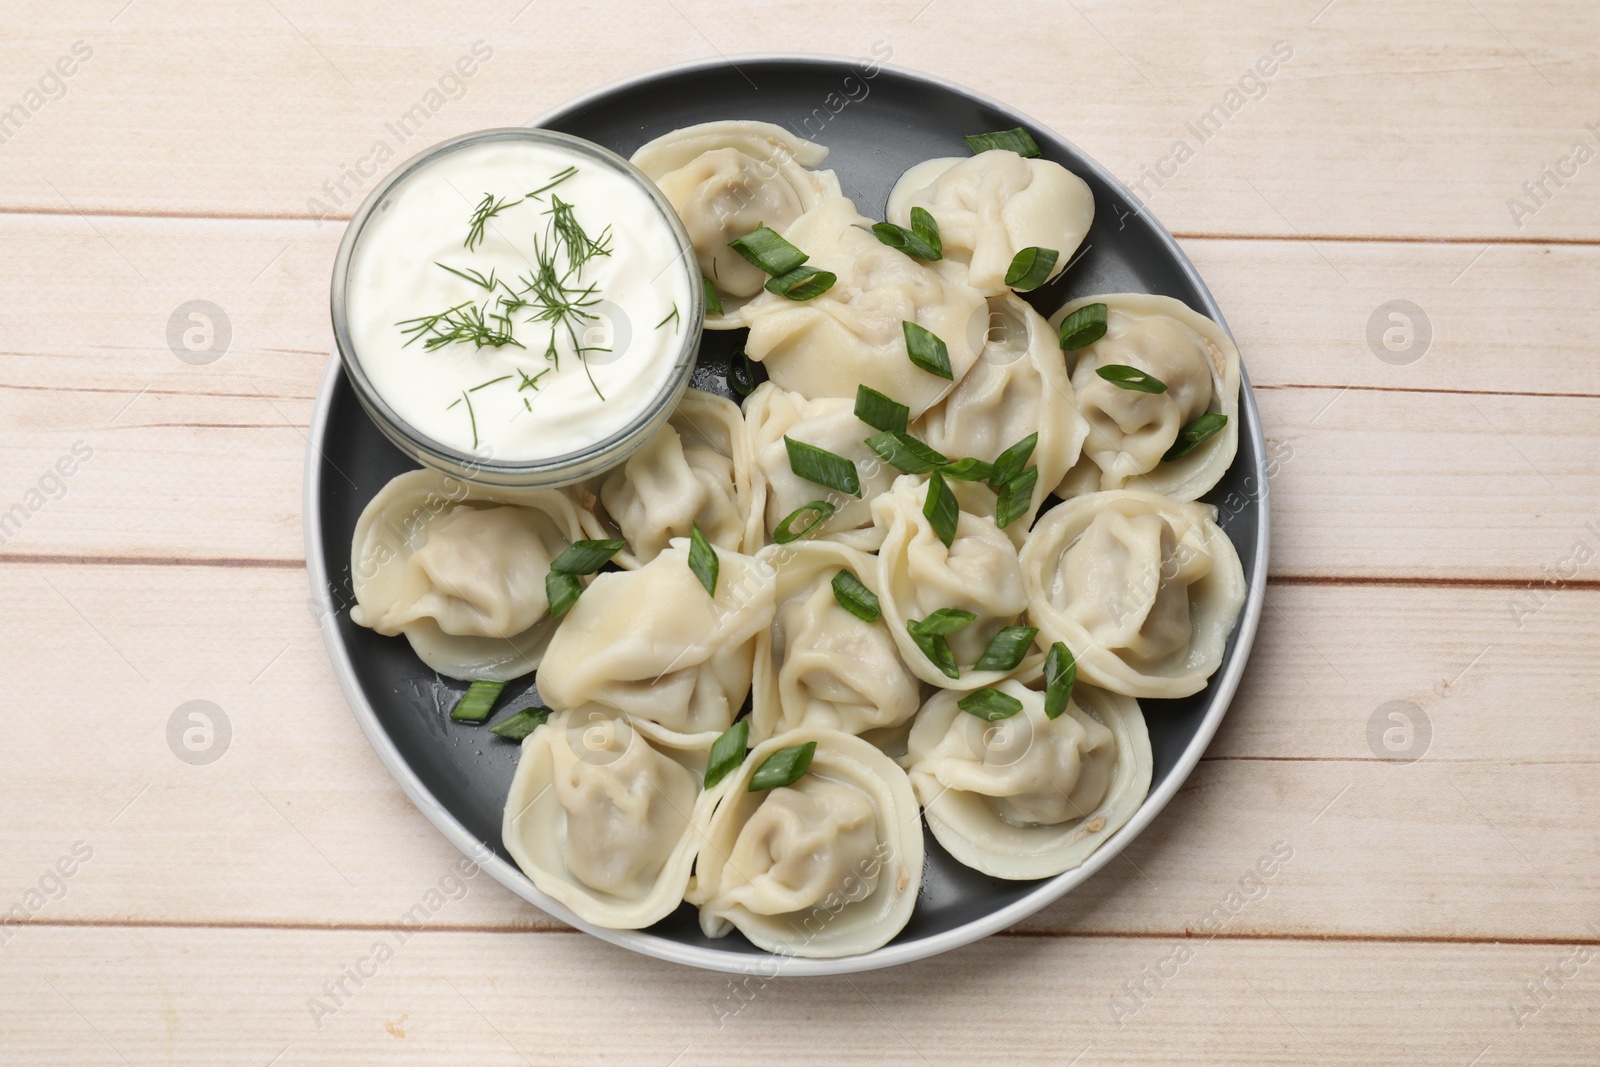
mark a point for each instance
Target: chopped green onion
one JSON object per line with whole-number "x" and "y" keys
{"x": 802, "y": 283}
{"x": 879, "y": 412}
{"x": 931, "y": 636}
{"x": 905, "y": 453}
{"x": 941, "y": 509}
{"x": 1195, "y": 434}
{"x": 520, "y": 725}
{"x": 769, "y": 252}
{"x": 1006, "y": 649}
{"x": 787, "y": 531}
{"x": 926, "y": 227}
{"x": 1017, "y": 140}
{"x": 702, "y": 560}
{"x": 854, "y": 597}
{"x": 944, "y": 622}
{"x": 586, "y": 557}
{"x": 783, "y": 767}
{"x": 990, "y": 705}
{"x": 1131, "y": 378}
{"x": 823, "y": 467}
{"x": 741, "y": 373}
{"x": 713, "y": 301}
{"x": 1083, "y": 327}
{"x": 1015, "y": 498}
{"x": 562, "y": 590}
{"x": 1031, "y": 267}
{"x": 908, "y": 241}
{"x": 927, "y": 350}
{"x": 968, "y": 470}
{"x": 728, "y": 752}
{"x": 477, "y": 702}
{"x": 1009, "y": 464}
{"x": 1060, "y": 674}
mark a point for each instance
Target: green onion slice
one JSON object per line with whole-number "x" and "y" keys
{"x": 990, "y": 705}
{"x": 854, "y": 597}
{"x": 926, "y": 227}
{"x": 1006, "y": 649}
{"x": 1195, "y": 434}
{"x": 1009, "y": 464}
{"x": 702, "y": 560}
{"x": 941, "y": 509}
{"x": 1031, "y": 267}
{"x": 769, "y": 252}
{"x": 1060, "y": 673}
{"x": 819, "y": 511}
{"x": 905, "y": 453}
{"x": 713, "y": 301}
{"x": 728, "y": 752}
{"x": 802, "y": 283}
{"x": 1015, "y": 498}
{"x": 937, "y": 649}
{"x": 741, "y": 373}
{"x": 783, "y": 767}
{"x": 823, "y": 467}
{"x": 1083, "y": 327}
{"x": 1017, "y": 140}
{"x": 907, "y": 241}
{"x": 927, "y": 350}
{"x": 520, "y": 725}
{"x": 968, "y": 470}
{"x": 880, "y": 412}
{"x": 562, "y": 590}
{"x": 477, "y": 702}
{"x": 586, "y": 557}
{"x": 944, "y": 622}
{"x": 1131, "y": 378}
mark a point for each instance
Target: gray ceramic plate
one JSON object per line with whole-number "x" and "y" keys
{"x": 458, "y": 775}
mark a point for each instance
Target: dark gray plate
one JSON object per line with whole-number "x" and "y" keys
{"x": 890, "y": 119}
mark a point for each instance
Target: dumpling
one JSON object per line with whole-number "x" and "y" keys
{"x": 771, "y": 414}
{"x": 695, "y": 469}
{"x": 726, "y": 178}
{"x": 652, "y": 643}
{"x": 991, "y": 206}
{"x": 1019, "y": 386}
{"x": 606, "y": 815}
{"x": 918, "y": 575}
{"x": 460, "y": 570}
{"x": 819, "y": 664}
{"x": 1029, "y": 796}
{"x": 1129, "y": 431}
{"x": 1144, "y": 590}
{"x": 852, "y": 334}
{"x": 829, "y": 866}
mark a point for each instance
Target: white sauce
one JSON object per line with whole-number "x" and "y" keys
{"x": 425, "y": 220}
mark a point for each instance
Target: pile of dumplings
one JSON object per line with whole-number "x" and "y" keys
{"x": 1113, "y": 556}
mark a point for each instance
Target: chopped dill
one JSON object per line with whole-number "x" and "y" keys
{"x": 487, "y": 209}
{"x": 555, "y": 180}
{"x": 672, "y": 317}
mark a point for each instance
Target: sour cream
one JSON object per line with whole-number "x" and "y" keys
{"x": 617, "y": 352}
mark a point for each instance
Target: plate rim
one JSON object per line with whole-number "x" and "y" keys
{"x": 642, "y": 941}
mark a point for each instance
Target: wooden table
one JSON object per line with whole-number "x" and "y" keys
{"x": 1415, "y": 741}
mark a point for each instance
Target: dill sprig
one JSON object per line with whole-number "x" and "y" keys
{"x": 671, "y": 316}
{"x": 555, "y": 180}
{"x": 473, "y": 276}
{"x": 580, "y": 246}
{"x": 487, "y": 209}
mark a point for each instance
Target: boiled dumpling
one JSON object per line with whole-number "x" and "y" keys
{"x": 771, "y": 414}
{"x": 1130, "y": 431}
{"x": 653, "y": 644}
{"x": 1144, "y": 590}
{"x": 991, "y": 206}
{"x": 852, "y": 334}
{"x": 694, "y": 470}
{"x": 605, "y": 815}
{"x": 727, "y": 178}
{"x": 1019, "y": 386}
{"x": 1029, "y": 796}
{"x": 819, "y": 664}
{"x": 460, "y": 570}
{"x": 829, "y": 866}
{"x": 918, "y": 575}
